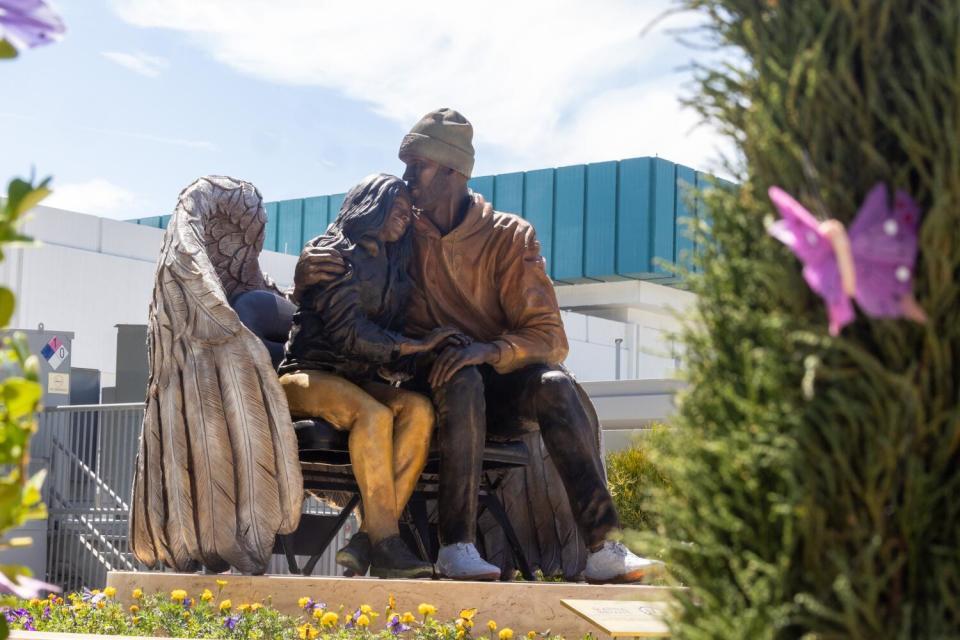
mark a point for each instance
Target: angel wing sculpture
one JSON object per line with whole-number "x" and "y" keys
{"x": 217, "y": 475}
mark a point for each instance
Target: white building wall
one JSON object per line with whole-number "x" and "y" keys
{"x": 89, "y": 274}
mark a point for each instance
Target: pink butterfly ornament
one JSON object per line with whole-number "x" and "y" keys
{"x": 871, "y": 263}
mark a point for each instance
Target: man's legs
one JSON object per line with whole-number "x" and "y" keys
{"x": 462, "y": 424}
{"x": 550, "y": 395}
{"x": 569, "y": 437}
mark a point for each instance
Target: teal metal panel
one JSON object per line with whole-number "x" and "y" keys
{"x": 316, "y": 217}
{"x": 164, "y": 221}
{"x": 600, "y": 222}
{"x": 569, "y": 193}
{"x": 483, "y": 185}
{"x": 270, "y": 231}
{"x": 664, "y": 215}
{"x": 508, "y": 193}
{"x": 289, "y": 226}
{"x": 151, "y": 221}
{"x": 686, "y": 211}
{"x": 538, "y": 210}
{"x": 336, "y": 201}
{"x": 634, "y": 222}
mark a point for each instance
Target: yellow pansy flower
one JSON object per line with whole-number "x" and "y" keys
{"x": 134, "y": 608}
{"x": 461, "y": 634}
{"x": 407, "y": 618}
{"x": 135, "y": 620}
{"x": 531, "y": 635}
{"x": 221, "y": 583}
{"x": 35, "y": 601}
{"x": 186, "y": 615}
{"x": 363, "y": 620}
{"x": 243, "y": 608}
{"x": 506, "y": 633}
{"x": 307, "y": 631}
{"x": 491, "y": 625}
{"x": 137, "y": 593}
{"x": 329, "y": 619}
{"x": 110, "y": 592}
{"x": 467, "y": 614}
{"x": 101, "y": 604}
{"x": 366, "y": 609}
{"x": 178, "y": 595}
{"x": 426, "y": 609}
{"x": 256, "y": 606}
{"x": 302, "y": 602}
{"x": 225, "y": 605}
{"x": 207, "y": 595}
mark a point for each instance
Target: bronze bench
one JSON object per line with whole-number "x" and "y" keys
{"x": 325, "y": 462}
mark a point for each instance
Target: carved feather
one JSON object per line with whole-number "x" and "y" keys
{"x": 217, "y": 474}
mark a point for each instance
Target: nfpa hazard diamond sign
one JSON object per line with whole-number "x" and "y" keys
{"x": 54, "y": 352}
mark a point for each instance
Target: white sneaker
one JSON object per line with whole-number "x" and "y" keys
{"x": 615, "y": 563}
{"x": 462, "y": 561}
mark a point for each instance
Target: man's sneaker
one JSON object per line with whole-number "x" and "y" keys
{"x": 355, "y": 556}
{"x": 462, "y": 561}
{"x": 392, "y": 558}
{"x": 614, "y": 563}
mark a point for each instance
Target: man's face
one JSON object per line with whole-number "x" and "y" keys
{"x": 426, "y": 180}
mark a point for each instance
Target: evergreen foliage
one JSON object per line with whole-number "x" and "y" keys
{"x": 632, "y": 476}
{"x": 815, "y": 480}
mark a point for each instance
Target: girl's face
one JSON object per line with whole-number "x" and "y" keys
{"x": 397, "y": 220}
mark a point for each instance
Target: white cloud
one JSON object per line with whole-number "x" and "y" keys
{"x": 540, "y": 79}
{"x": 139, "y": 62}
{"x": 98, "y": 197}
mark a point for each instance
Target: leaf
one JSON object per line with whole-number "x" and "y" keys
{"x": 7, "y": 50}
{"x": 23, "y": 196}
{"x": 7, "y": 303}
{"x": 21, "y": 397}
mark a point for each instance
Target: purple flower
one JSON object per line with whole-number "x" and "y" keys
{"x": 46, "y": 612}
{"x": 86, "y": 595}
{"x": 396, "y": 627}
{"x": 187, "y": 603}
{"x": 231, "y": 621}
{"x": 21, "y": 616}
{"x": 28, "y": 23}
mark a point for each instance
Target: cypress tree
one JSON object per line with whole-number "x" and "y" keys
{"x": 814, "y": 480}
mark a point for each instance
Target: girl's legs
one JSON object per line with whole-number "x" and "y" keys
{"x": 413, "y": 421}
{"x": 318, "y": 394}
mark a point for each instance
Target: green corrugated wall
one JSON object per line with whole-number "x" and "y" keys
{"x": 597, "y": 222}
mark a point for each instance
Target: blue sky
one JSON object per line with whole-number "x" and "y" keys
{"x": 305, "y": 97}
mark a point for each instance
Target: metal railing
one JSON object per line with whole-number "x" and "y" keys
{"x": 90, "y": 452}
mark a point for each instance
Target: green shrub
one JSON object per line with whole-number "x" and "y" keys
{"x": 633, "y": 473}
{"x": 817, "y": 492}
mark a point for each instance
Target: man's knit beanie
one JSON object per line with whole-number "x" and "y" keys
{"x": 445, "y": 137}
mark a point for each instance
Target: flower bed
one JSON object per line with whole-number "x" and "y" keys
{"x": 208, "y": 615}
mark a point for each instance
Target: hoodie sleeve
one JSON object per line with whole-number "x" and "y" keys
{"x": 535, "y": 333}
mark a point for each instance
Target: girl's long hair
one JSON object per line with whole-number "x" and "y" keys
{"x": 365, "y": 210}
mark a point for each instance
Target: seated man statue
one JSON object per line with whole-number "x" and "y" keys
{"x": 481, "y": 271}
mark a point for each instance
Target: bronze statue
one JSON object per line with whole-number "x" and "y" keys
{"x": 217, "y": 475}
{"x": 344, "y": 342}
{"x": 481, "y": 271}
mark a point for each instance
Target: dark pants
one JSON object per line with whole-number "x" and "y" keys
{"x": 268, "y": 316}
{"x": 478, "y": 399}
